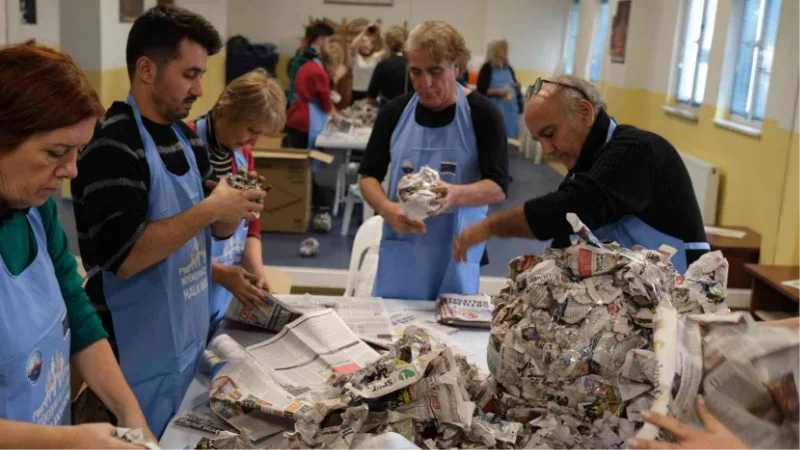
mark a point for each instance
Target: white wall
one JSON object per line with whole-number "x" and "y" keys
{"x": 215, "y": 11}
{"x": 80, "y": 33}
{"x": 114, "y": 33}
{"x": 47, "y": 22}
{"x": 534, "y": 28}
{"x": 3, "y": 29}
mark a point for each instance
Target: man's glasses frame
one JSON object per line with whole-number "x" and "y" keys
{"x": 537, "y": 86}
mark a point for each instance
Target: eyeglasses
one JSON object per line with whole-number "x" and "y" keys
{"x": 537, "y": 86}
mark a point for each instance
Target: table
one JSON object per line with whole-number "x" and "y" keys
{"x": 769, "y": 295}
{"x": 738, "y": 252}
{"x": 475, "y": 340}
{"x": 345, "y": 143}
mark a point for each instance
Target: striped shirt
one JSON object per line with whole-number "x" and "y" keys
{"x": 110, "y": 194}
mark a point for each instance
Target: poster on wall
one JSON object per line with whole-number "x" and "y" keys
{"x": 129, "y": 10}
{"x": 27, "y": 12}
{"x": 363, "y": 2}
{"x": 619, "y": 31}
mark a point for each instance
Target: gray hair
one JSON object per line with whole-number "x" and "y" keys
{"x": 492, "y": 48}
{"x": 584, "y": 86}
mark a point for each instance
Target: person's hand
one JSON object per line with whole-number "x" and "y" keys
{"x": 450, "y": 194}
{"x": 262, "y": 282}
{"x": 714, "y": 436}
{"x": 470, "y": 237}
{"x": 231, "y": 204}
{"x": 133, "y": 418}
{"x": 333, "y": 116}
{"x": 242, "y": 284}
{"x": 394, "y": 214}
{"x": 94, "y": 435}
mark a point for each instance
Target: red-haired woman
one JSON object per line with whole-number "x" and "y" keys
{"x": 48, "y": 113}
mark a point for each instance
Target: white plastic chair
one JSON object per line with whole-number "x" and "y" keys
{"x": 354, "y": 196}
{"x": 361, "y": 276}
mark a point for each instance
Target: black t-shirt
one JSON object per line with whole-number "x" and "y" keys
{"x": 390, "y": 79}
{"x": 637, "y": 173}
{"x": 112, "y": 188}
{"x": 487, "y": 123}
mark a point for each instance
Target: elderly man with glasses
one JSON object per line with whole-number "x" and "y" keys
{"x": 628, "y": 185}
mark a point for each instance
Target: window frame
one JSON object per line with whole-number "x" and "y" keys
{"x": 750, "y": 120}
{"x": 691, "y": 105}
{"x": 602, "y": 45}
{"x": 565, "y": 53}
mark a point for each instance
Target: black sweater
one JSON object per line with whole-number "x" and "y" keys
{"x": 638, "y": 173}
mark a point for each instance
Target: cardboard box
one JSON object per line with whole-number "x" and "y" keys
{"x": 287, "y": 207}
{"x": 280, "y": 282}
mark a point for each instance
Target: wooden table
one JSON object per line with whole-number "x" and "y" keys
{"x": 769, "y": 294}
{"x": 739, "y": 252}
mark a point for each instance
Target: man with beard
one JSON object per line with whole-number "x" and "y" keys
{"x": 144, "y": 222}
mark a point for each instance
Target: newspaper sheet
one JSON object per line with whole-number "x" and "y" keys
{"x": 464, "y": 310}
{"x": 272, "y": 314}
{"x": 366, "y": 316}
{"x": 311, "y": 349}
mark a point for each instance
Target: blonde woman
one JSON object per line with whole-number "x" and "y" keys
{"x": 497, "y": 81}
{"x": 251, "y": 106}
{"x": 366, "y": 51}
{"x": 390, "y": 79}
{"x": 458, "y": 133}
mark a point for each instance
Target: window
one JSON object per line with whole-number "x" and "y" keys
{"x": 754, "y": 59}
{"x": 572, "y": 36}
{"x": 693, "y": 65}
{"x": 598, "y": 40}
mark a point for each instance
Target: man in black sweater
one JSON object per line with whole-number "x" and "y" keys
{"x": 626, "y": 184}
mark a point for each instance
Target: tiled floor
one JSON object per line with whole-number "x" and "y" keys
{"x": 281, "y": 249}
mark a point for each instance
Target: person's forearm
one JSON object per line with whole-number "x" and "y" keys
{"x": 510, "y": 223}
{"x": 484, "y": 192}
{"x": 251, "y": 258}
{"x": 373, "y": 193}
{"x": 496, "y": 92}
{"x": 16, "y": 434}
{"x": 99, "y": 369}
{"x": 792, "y": 323}
{"x": 162, "y": 238}
{"x": 224, "y": 230}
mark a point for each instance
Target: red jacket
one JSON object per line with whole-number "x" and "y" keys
{"x": 254, "y": 226}
{"x": 311, "y": 82}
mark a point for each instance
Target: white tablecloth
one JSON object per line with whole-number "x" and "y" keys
{"x": 474, "y": 341}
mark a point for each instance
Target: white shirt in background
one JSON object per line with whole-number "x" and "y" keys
{"x": 362, "y": 70}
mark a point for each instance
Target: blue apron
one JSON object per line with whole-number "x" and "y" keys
{"x": 34, "y": 340}
{"x": 503, "y": 79}
{"x": 421, "y": 266}
{"x": 630, "y": 230}
{"x": 160, "y": 315}
{"x": 227, "y": 252}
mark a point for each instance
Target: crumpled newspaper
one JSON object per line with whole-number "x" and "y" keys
{"x": 415, "y": 192}
{"x": 226, "y": 440}
{"x": 360, "y": 113}
{"x": 419, "y": 389}
{"x": 574, "y": 362}
{"x": 572, "y": 351}
{"x": 134, "y": 436}
{"x": 243, "y": 181}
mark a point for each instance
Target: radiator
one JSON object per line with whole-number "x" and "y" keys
{"x": 705, "y": 182}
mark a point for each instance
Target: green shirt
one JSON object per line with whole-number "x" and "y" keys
{"x": 18, "y": 250}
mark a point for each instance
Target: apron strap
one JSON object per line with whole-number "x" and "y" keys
{"x": 697, "y": 246}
